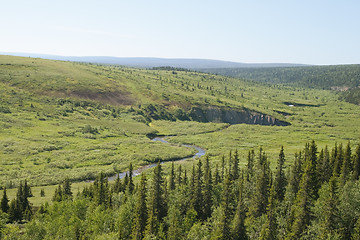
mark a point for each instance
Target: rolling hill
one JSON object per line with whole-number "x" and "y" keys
{"x": 149, "y": 62}
{"x": 68, "y": 119}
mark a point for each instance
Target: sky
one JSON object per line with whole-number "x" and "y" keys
{"x": 252, "y": 31}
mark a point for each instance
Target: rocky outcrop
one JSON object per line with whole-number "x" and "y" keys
{"x": 233, "y": 116}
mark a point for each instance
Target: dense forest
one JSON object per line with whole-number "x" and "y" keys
{"x": 338, "y": 77}
{"x": 318, "y": 197}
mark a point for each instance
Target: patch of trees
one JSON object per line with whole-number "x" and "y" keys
{"x": 318, "y": 197}
{"x": 323, "y": 77}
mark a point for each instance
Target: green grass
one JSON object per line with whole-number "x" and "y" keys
{"x": 62, "y": 119}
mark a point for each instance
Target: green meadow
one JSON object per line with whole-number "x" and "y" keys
{"x": 75, "y": 120}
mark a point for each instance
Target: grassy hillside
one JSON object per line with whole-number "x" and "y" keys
{"x": 64, "y": 119}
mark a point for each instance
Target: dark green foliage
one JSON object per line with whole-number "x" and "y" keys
{"x": 101, "y": 191}
{"x": 301, "y": 210}
{"x": 197, "y": 201}
{"x": 117, "y": 187}
{"x": 140, "y": 211}
{"x": 63, "y": 192}
{"x": 130, "y": 185}
{"x": 346, "y": 167}
{"x": 324, "y": 167}
{"x": 229, "y": 209}
{"x": 280, "y": 178}
{"x": 89, "y": 129}
{"x": 250, "y": 165}
{"x": 58, "y": 195}
{"x": 352, "y": 96}
{"x": 15, "y": 212}
{"x": 269, "y": 229}
{"x": 42, "y": 193}
{"x": 260, "y": 198}
{"x": 238, "y": 230}
{"x": 4, "y": 109}
{"x": 179, "y": 177}
{"x": 356, "y": 164}
{"x": 223, "y": 230}
{"x": 172, "y": 177}
{"x": 323, "y": 77}
{"x": 20, "y": 207}
{"x": 330, "y": 207}
{"x": 356, "y": 233}
{"x": 208, "y": 188}
{"x": 67, "y": 189}
{"x": 337, "y": 158}
{"x": 5, "y": 202}
{"x": 157, "y": 205}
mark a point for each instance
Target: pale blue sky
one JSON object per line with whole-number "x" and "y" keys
{"x": 291, "y": 31}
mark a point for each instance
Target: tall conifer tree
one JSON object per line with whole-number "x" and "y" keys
{"x": 208, "y": 185}
{"x": 269, "y": 229}
{"x": 280, "y": 179}
{"x": 157, "y": 205}
{"x": 346, "y": 167}
{"x": 238, "y": 229}
{"x": 356, "y": 164}
{"x": 140, "y": 211}
{"x": 5, "y": 202}
{"x": 172, "y": 177}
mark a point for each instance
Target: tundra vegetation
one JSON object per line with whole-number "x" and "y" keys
{"x": 66, "y": 127}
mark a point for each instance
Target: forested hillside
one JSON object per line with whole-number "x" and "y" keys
{"x": 338, "y": 77}
{"x": 318, "y": 198}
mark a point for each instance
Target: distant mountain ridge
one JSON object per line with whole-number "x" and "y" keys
{"x": 150, "y": 62}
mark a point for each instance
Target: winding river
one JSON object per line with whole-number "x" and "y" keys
{"x": 200, "y": 152}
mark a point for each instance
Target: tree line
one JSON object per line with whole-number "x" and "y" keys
{"x": 318, "y": 197}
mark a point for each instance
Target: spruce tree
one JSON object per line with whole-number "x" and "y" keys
{"x": 333, "y": 157}
{"x": 331, "y": 211}
{"x": 217, "y": 177}
{"x": 313, "y": 172}
{"x": 197, "y": 202}
{"x": 5, "y": 202}
{"x": 172, "y": 177}
{"x": 250, "y": 165}
{"x": 338, "y": 161}
{"x": 269, "y": 229}
{"x": 238, "y": 230}
{"x": 58, "y": 195}
{"x": 295, "y": 173}
{"x": 356, "y": 164}
{"x": 101, "y": 191}
{"x": 301, "y": 213}
{"x": 24, "y": 191}
{"x": 259, "y": 200}
{"x": 179, "y": 178}
{"x": 130, "y": 185}
{"x": 140, "y": 211}
{"x": 222, "y": 167}
{"x": 157, "y": 205}
{"x": 15, "y": 213}
{"x": 126, "y": 181}
{"x": 324, "y": 167}
{"x": 346, "y": 167}
{"x": 280, "y": 178}
{"x": 223, "y": 230}
{"x": 235, "y": 166}
{"x": 67, "y": 193}
{"x": 207, "y": 203}
{"x": 117, "y": 187}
